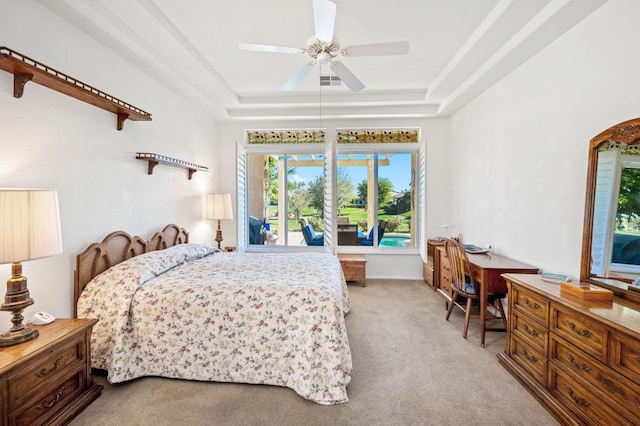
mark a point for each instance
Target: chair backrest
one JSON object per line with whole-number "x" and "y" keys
{"x": 461, "y": 279}
{"x": 308, "y": 234}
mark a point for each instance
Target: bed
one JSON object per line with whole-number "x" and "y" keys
{"x": 173, "y": 309}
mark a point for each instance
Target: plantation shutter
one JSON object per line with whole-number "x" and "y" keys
{"x": 330, "y": 197}
{"x": 241, "y": 203}
{"x": 421, "y": 201}
{"x": 604, "y": 211}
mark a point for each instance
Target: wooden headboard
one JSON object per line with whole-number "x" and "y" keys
{"x": 117, "y": 247}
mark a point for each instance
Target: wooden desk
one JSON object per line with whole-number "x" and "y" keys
{"x": 486, "y": 269}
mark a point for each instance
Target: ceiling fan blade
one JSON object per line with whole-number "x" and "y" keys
{"x": 347, "y": 76}
{"x": 377, "y": 49}
{"x": 295, "y": 79}
{"x": 324, "y": 17}
{"x": 271, "y": 49}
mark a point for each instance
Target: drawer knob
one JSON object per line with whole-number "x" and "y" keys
{"x": 578, "y": 400}
{"x": 583, "y": 333}
{"x": 583, "y": 367}
{"x": 531, "y": 331}
{"x": 533, "y": 305}
{"x": 55, "y": 399}
{"x": 44, "y": 372}
{"x": 612, "y": 386}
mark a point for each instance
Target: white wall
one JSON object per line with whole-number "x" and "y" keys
{"x": 50, "y": 140}
{"x": 520, "y": 149}
{"x": 380, "y": 265}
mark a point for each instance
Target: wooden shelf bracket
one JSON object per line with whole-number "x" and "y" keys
{"x": 155, "y": 159}
{"x": 25, "y": 69}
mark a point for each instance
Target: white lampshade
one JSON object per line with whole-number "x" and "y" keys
{"x": 29, "y": 224}
{"x": 219, "y": 206}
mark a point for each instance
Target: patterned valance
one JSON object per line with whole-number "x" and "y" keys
{"x": 262, "y": 137}
{"x": 378, "y": 136}
{"x": 257, "y": 137}
{"x": 622, "y": 147}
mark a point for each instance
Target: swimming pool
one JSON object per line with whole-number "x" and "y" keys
{"x": 394, "y": 241}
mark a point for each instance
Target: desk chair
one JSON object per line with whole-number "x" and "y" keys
{"x": 464, "y": 286}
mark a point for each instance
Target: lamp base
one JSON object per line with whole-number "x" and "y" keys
{"x": 13, "y": 337}
{"x": 16, "y": 300}
{"x": 219, "y": 235}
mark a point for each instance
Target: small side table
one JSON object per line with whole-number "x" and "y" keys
{"x": 354, "y": 267}
{"x": 48, "y": 380}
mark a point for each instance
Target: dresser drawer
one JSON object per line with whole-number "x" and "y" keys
{"x": 588, "y": 335}
{"x": 591, "y": 408}
{"x": 529, "y": 359}
{"x": 531, "y": 305}
{"x": 620, "y": 389}
{"x": 427, "y": 273}
{"x": 39, "y": 409}
{"x": 625, "y": 356}
{"x": 530, "y": 331}
{"x": 45, "y": 370}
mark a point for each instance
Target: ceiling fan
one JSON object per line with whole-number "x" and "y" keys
{"x": 324, "y": 48}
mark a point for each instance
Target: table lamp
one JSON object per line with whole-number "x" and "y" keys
{"x": 219, "y": 208}
{"x": 29, "y": 229}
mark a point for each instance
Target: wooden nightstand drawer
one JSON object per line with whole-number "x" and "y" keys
{"x": 47, "y": 404}
{"x": 29, "y": 379}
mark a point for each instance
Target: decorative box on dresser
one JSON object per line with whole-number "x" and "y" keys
{"x": 579, "y": 359}
{"x": 48, "y": 380}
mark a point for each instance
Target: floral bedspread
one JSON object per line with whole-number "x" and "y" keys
{"x": 191, "y": 312}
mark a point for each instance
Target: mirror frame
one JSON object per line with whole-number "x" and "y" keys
{"x": 628, "y": 133}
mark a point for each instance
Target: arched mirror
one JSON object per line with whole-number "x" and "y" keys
{"x": 611, "y": 238}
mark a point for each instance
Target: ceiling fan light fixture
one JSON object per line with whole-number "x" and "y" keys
{"x": 324, "y": 58}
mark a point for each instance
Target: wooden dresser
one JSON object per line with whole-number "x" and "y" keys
{"x": 581, "y": 360}
{"x": 48, "y": 380}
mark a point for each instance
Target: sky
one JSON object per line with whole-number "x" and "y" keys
{"x": 398, "y": 172}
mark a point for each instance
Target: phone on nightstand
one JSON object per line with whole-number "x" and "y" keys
{"x": 42, "y": 318}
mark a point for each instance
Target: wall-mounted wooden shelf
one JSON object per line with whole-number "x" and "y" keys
{"x": 25, "y": 69}
{"x": 155, "y": 159}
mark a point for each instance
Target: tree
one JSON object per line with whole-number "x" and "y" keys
{"x": 629, "y": 198}
{"x": 272, "y": 189}
{"x": 385, "y": 191}
{"x": 345, "y": 191}
{"x": 298, "y": 200}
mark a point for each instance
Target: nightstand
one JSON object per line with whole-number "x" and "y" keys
{"x": 48, "y": 380}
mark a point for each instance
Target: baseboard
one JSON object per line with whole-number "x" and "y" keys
{"x": 395, "y": 277}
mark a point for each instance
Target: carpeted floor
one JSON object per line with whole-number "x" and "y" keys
{"x": 411, "y": 367}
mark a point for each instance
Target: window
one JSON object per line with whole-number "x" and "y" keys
{"x": 616, "y": 217}
{"x": 626, "y": 238}
{"x": 376, "y": 188}
{"x": 294, "y": 192}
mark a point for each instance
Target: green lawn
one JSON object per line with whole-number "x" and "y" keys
{"x": 354, "y": 214}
